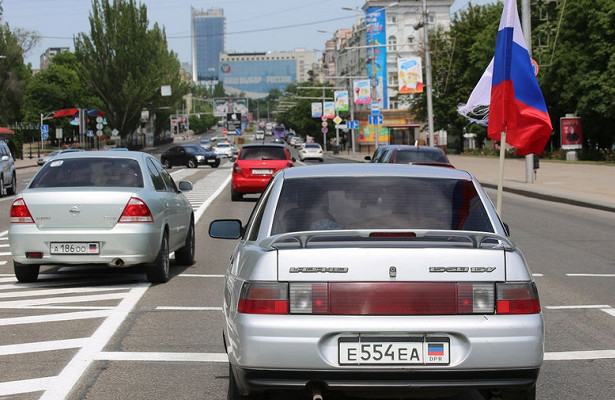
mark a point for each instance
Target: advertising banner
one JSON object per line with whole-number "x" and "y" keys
{"x": 375, "y": 19}
{"x": 571, "y": 133}
{"x": 341, "y": 100}
{"x": 230, "y": 105}
{"x": 410, "y": 75}
{"x": 329, "y": 109}
{"x": 316, "y": 110}
{"x": 362, "y": 91}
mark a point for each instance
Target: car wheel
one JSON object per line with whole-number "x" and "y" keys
{"x": 158, "y": 272}
{"x": 185, "y": 255}
{"x": 2, "y": 189}
{"x": 321, "y": 160}
{"x": 192, "y": 163}
{"x": 26, "y": 272}
{"x": 215, "y": 165}
{"x": 236, "y": 196}
{"x": 13, "y": 188}
{"x": 166, "y": 164}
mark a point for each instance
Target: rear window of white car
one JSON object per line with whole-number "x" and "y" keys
{"x": 89, "y": 172}
{"x": 379, "y": 203}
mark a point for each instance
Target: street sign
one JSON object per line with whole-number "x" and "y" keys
{"x": 375, "y": 107}
{"x": 324, "y": 130}
{"x": 44, "y": 128}
{"x": 324, "y": 123}
{"x": 352, "y": 124}
{"x": 45, "y": 135}
{"x": 375, "y": 119}
{"x": 341, "y": 126}
{"x": 337, "y": 119}
{"x": 238, "y": 131}
{"x": 224, "y": 131}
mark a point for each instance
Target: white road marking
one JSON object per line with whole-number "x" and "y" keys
{"x": 579, "y": 355}
{"x": 202, "y": 275}
{"x": 177, "y": 308}
{"x": 154, "y": 356}
{"x": 34, "y": 347}
{"x": 592, "y": 275}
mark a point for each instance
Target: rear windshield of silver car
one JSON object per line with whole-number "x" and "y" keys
{"x": 379, "y": 203}
{"x": 89, "y": 172}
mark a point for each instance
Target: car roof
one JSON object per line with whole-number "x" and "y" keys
{"x": 416, "y": 148}
{"x": 374, "y": 169}
{"x": 102, "y": 154}
{"x": 263, "y": 145}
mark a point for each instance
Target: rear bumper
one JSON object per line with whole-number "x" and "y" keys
{"x": 255, "y": 380}
{"x": 242, "y": 184}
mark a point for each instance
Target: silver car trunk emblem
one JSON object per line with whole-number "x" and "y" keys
{"x": 74, "y": 211}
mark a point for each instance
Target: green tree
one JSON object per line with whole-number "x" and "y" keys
{"x": 124, "y": 63}
{"x": 580, "y": 78}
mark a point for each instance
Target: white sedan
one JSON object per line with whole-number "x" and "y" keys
{"x": 111, "y": 208}
{"x": 224, "y": 149}
{"x": 311, "y": 151}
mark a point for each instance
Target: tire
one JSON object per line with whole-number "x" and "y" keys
{"x": 192, "y": 163}
{"x": 185, "y": 255}
{"x": 2, "y": 189}
{"x": 236, "y": 196}
{"x": 13, "y": 188}
{"x": 216, "y": 165}
{"x": 26, "y": 272}
{"x": 166, "y": 164}
{"x": 158, "y": 271}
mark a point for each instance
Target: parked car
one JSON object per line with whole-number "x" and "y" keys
{"x": 255, "y": 165}
{"x": 8, "y": 176}
{"x": 378, "y": 278}
{"x": 102, "y": 208}
{"x": 223, "y": 149}
{"x": 311, "y": 151}
{"x": 43, "y": 159}
{"x": 190, "y": 155}
{"x": 415, "y": 155}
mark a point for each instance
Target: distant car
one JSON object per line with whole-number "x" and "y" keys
{"x": 190, "y": 155}
{"x": 254, "y": 167}
{"x": 8, "y": 176}
{"x": 380, "y": 279}
{"x": 43, "y": 159}
{"x": 277, "y": 140}
{"x": 101, "y": 208}
{"x": 296, "y": 141}
{"x": 223, "y": 149}
{"x": 260, "y": 135}
{"x": 206, "y": 144}
{"x": 415, "y": 155}
{"x": 379, "y": 152}
{"x": 311, "y": 151}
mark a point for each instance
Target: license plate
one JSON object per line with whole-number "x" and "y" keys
{"x": 406, "y": 350}
{"x": 75, "y": 248}
{"x": 211, "y": 160}
{"x": 262, "y": 171}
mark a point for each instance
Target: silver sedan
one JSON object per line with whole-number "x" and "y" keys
{"x": 379, "y": 278}
{"x": 114, "y": 208}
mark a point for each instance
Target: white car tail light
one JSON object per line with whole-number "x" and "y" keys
{"x": 517, "y": 298}
{"x": 263, "y": 298}
{"x": 136, "y": 211}
{"x": 20, "y": 213}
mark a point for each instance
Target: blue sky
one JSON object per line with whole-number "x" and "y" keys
{"x": 251, "y": 25}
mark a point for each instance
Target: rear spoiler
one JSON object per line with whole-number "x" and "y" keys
{"x": 476, "y": 239}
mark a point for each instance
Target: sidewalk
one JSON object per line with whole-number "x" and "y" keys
{"x": 587, "y": 185}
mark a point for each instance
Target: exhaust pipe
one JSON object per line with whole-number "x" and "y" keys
{"x": 316, "y": 392}
{"x": 117, "y": 262}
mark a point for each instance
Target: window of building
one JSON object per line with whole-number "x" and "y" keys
{"x": 392, "y": 42}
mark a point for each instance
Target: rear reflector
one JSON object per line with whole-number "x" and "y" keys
{"x": 517, "y": 298}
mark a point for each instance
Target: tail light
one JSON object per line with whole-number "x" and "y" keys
{"x": 236, "y": 168}
{"x": 136, "y": 211}
{"x": 517, "y": 298}
{"x": 389, "y": 298}
{"x": 263, "y": 298}
{"x": 20, "y": 213}
{"x": 289, "y": 164}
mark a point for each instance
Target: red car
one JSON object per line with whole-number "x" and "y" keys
{"x": 255, "y": 166}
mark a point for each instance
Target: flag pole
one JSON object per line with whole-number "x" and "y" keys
{"x": 498, "y": 206}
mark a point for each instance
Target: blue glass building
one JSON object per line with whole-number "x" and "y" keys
{"x": 207, "y": 43}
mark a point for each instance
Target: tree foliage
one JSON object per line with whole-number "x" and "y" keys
{"x": 124, "y": 63}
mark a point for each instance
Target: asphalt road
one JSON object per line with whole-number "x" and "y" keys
{"x": 84, "y": 333}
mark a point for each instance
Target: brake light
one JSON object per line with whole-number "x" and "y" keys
{"x": 289, "y": 164}
{"x": 263, "y": 298}
{"x": 236, "y": 168}
{"x": 392, "y": 298}
{"x": 517, "y": 298}
{"x": 20, "y": 213}
{"x": 136, "y": 211}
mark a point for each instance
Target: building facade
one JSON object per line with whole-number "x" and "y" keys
{"x": 253, "y": 75}
{"x": 207, "y": 29}
{"x": 49, "y": 54}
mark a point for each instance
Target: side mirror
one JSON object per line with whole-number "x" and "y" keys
{"x": 185, "y": 186}
{"x": 226, "y": 229}
{"x": 368, "y": 158}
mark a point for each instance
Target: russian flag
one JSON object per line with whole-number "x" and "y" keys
{"x": 517, "y": 106}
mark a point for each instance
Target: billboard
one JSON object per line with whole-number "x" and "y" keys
{"x": 224, "y": 106}
{"x": 410, "y": 75}
{"x": 377, "y": 52}
{"x": 256, "y": 78}
{"x": 571, "y": 133}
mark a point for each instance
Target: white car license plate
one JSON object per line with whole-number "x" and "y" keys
{"x": 262, "y": 171}
{"x": 75, "y": 248}
{"x": 211, "y": 160}
{"x": 412, "y": 350}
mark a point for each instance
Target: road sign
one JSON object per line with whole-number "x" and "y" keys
{"x": 352, "y": 124}
{"x": 324, "y": 123}
{"x": 45, "y": 135}
{"x": 224, "y": 131}
{"x": 44, "y": 128}
{"x": 324, "y": 130}
{"x": 375, "y": 107}
{"x": 375, "y": 119}
{"x": 238, "y": 131}
{"x": 337, "y": 119}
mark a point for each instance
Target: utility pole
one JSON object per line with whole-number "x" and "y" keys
{"x": 428, "y": 83}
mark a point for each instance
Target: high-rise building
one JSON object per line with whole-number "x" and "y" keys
{"x": 207, "y": 28}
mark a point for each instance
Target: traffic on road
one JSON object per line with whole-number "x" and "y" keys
{"x": 85, "y": 331}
